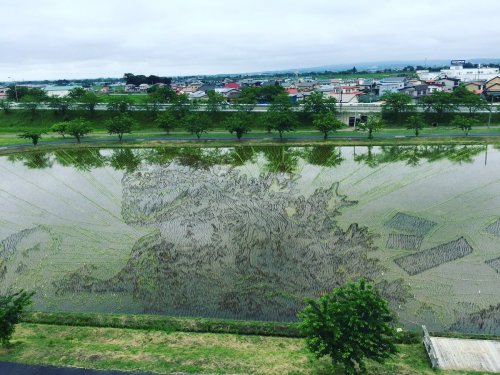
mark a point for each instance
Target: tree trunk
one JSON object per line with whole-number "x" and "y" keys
{"x": 325, "y": 135}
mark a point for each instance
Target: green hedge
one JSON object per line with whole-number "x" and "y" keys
{"x": 165, "y": 323}
{"x": 173, "y": 324}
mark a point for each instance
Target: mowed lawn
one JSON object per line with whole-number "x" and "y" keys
{"x": 169, "y": 352}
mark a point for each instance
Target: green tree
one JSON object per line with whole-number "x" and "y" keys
{"x": 263, "y": 94}
{"x": 180, "y": 106}
{"x": 267, "y": 94}
{"x": 395, "y": 104}
{"x": 34, "y": 136}
{"x": 89, "y": 101}
{"x": 77, "y": 93}
{"x": 282, "y": 122}
{"x": 239, "y": 123}
{"x": 166, "y": 121}
{"x": 11, "y": 308}
{"x": 16, "y": 93}
{"x": 60, "y": 127}
{"x": 31, "y": 103}
{"x": 372, "y": 125}
{"x": 316, "y": 103}
{"x": 120, "y": 125}
{"x": 415, "y": 123}
{"x": 463, "y": 123}
{"x": 351, "y": 324}
{"x": 281, "y": 103}
{"x": 327, "y": 122}
{"x": 161, "y": 94}
{"x": 469, "y": 100}
{"x": 280, "y": 115}
{"x": 248, "y": 96}
{"x": 5, "y": 105}
{"x": 119, "y": 105}
{"x": 216, "y": 102}
{"x": 78, "y": 128}
{"x": 60, "y": 105}
{"x": 439, "y": 103}
{"x": 197, "y": 124}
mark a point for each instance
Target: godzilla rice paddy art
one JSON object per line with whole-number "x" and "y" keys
{"x": 249, "y": 233}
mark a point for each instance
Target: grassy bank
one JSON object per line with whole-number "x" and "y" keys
{"x": 19, "y": 120}
{"x": 146, "y": 132}
{"x": 163, "y": 352}
{"x": 165, "y": 323}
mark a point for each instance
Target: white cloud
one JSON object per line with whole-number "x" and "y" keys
{"x": 89, "y": 38}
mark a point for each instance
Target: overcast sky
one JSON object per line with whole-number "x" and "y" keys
{"x": 52, "y": 39}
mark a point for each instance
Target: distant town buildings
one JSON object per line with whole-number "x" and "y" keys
{"x": 457, "y": 71}
{"x": 481, "y": 81}
{"x": 58, "y": 91}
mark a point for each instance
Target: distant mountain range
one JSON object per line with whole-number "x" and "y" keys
{"x": 381, "y": 65}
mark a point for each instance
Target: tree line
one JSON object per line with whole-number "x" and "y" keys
{"x": 282, "y": 115}
{"x": 438, "y": 108}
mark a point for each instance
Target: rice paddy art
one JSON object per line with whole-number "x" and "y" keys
{"x": 494, "y": 263}
{"x": 422, "y": 261}
{"x": 225, "y": 245}
{"x": 494, "y": 228}
{"x": 249, "y": 232}
{"x": 404, "y": 241}
{"x": 410, "y": 224}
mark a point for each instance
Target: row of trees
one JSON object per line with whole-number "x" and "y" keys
{"x": 32, "y": 98}
{"x": 281, "y": 115}
{"x": 396, "y": 108}
{"x": 438, "y": 103}
{"x": 78, "y": 128}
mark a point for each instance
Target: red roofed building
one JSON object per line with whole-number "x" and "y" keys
{"x": 292, "y": 91}
{"x": 232, "y": 85}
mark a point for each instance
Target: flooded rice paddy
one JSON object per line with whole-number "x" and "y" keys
{"x": 248, "y": 233}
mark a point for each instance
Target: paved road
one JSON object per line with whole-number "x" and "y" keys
{"x": 8, "y": 368}
{"x": 270, "y": 137}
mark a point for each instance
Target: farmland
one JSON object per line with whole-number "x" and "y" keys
{"x": 249, "y": 232}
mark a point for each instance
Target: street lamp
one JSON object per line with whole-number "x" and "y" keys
{"x": 15, "y": 88}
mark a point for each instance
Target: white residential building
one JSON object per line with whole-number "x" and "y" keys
{"x": 426, "y": 75}
{"x": 469, "y": 75}
{"x": 59, "y": 91}
{"x": 391, "y": 84}
{"x": 457, "y": 71}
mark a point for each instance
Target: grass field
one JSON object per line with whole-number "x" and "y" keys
{"x": 17, "y": 122}
{"x": 163, "y": 353}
